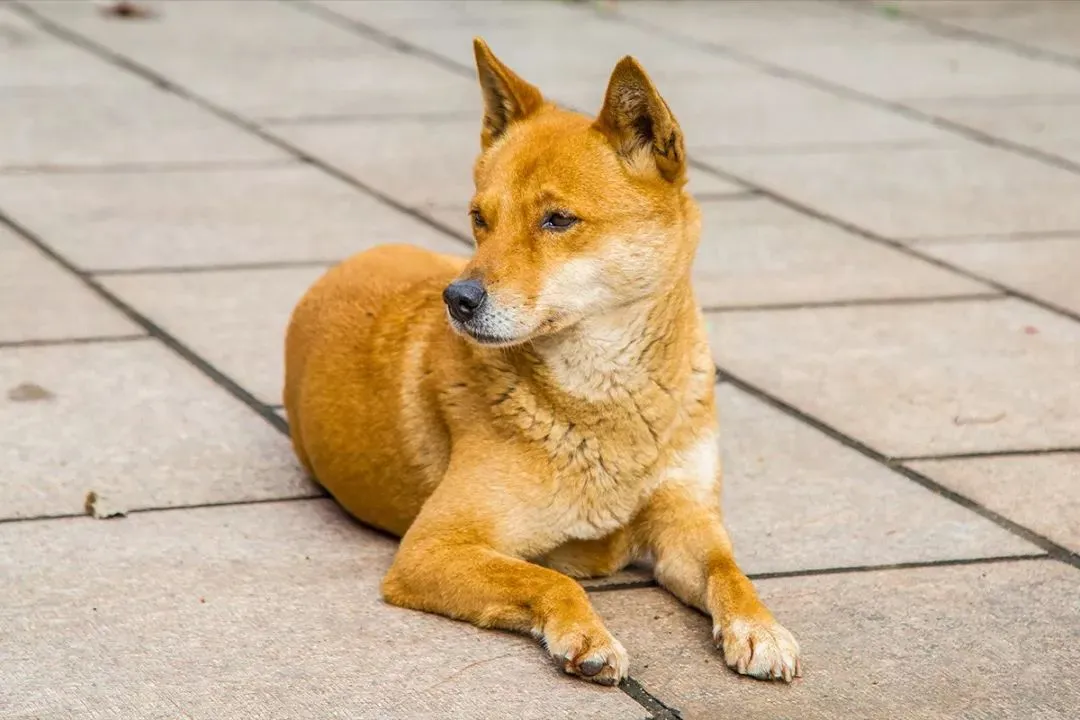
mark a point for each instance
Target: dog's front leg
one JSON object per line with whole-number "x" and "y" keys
{"x": 694, "y": 560}
{"x": 453, "y": 568}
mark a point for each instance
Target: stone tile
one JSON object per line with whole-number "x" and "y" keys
{"x": 277, "y": 602}
{"x": 931, "y": 68}
{"x": 1048, "y": 124}
{"x": 757, "y": 252}
{"x": 426, "y": 165}
{"x": 235, "y": 319}
{"x": 794, "y": 499}
{"x": 33, "y": 58}
{"x": 945, "y": 643}
{"x": 588, "y": 50}
{"x": 205, "y": 217}
{"x": 135, "y": 424}
{"x": 750, "y": 24}
{"x": 327, "y": 84}
{"x": 767, "y": 118}
{"x": 1046, "y": 268}
{"x": 913, "y": 193}
{"x": 917, "y": 379}
{"x": 43, "y": 301}
{"x": 1044, "y": 24}
{"x": 97, "y": 126}
{"x": 1040, "y": 492}
{"x": 395, "y": 15}
{"x": 223, "y": 29}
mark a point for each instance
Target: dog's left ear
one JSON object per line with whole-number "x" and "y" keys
{"x": 640, "y": 124}
{"x": 507, "y": 98}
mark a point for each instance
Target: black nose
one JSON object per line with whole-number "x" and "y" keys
{"x": 463, "y": 298}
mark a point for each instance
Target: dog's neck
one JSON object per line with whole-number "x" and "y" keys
{"x": 649, "y": 343}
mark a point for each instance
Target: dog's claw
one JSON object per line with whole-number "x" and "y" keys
{"x": 595, "y": 656}
{"x": 764, "y": 650}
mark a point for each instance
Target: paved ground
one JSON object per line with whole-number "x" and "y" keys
{"x": 891, "y": 260}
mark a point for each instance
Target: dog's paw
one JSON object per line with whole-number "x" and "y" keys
{"x": 591, "y": 654}
{"x": 764, "y": 650}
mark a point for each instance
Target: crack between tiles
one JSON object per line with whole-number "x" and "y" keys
{"x": 841, "y": 570}
{"x": 211, "y": 268}
{"x": 857, "y": 302}
{"x": 1018, "y": 452}
{"x": 323, "y": 495}
{"x": 89, "y": 340}
{"x": 155, "y": 168}
{"x": 991, "y": 238}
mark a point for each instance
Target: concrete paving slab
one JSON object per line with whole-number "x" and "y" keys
{"x": 259, "y": 611}
{"x": 32, "y": 58}
{"x": 1046, "y": 268}
{"x": 97, "y": 126}
{"x": 996, "y": 640}
{"x": 750, "y": 24}
{"x": 220, "y": 30}
{"x": 42, "y": 301}
{"x": 917, "y": 379}
{"x": 394, "y": 14}
{"x": 924, "y": 192}
{"x": 193, "y": 217}
{"x": 135, "y": 424}
{"x": 1037, "y": 491}
{"x": 1048, "y": 25}
{"x": 757, "y": 252}
{"x": 936, "y": 68}
{"x": 795, "y": 499}
{"x": 326, "y": 84}
{"x": 236, "y": 319}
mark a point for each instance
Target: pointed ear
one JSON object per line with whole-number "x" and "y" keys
{"x": 639, "y": 123}
{"x": 507, "y": 98}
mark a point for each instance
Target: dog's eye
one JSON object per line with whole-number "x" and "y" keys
{"x": 558, "y": 221}
{"x": 477, "y": 219}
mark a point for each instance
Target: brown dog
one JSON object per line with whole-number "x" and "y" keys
{"x": 545, "y": 409}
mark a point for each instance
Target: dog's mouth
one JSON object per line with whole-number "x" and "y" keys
{"x": 480, "y": 337}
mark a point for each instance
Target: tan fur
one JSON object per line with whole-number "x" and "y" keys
{"x": 569, "y": 429}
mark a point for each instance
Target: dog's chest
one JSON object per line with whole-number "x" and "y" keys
{"x": 603, "y": 463}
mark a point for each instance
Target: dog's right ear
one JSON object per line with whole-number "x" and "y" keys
{"x": 507, "y": 98}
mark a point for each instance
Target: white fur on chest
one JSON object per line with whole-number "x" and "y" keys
{"x": 697, "y": 469}
{"x": 605, "y": 502}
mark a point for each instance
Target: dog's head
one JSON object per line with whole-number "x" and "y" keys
{"x": 573, "y": 216}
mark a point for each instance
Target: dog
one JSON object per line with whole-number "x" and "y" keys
{"x": 543, "y": 410}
